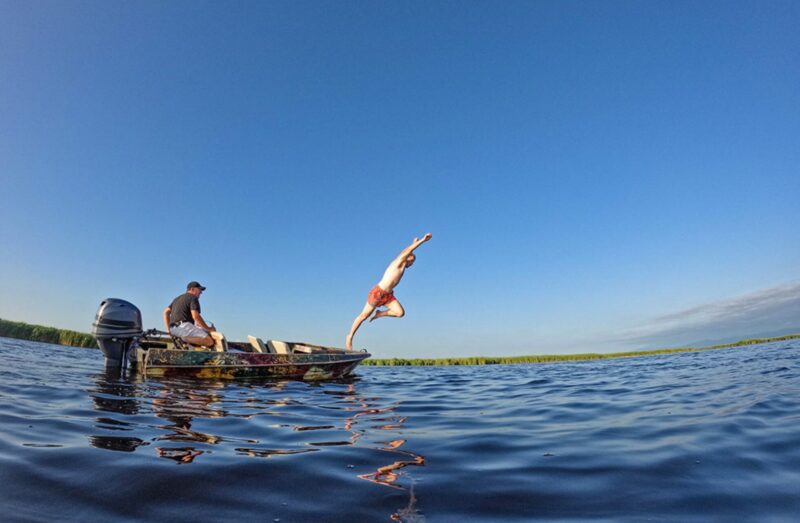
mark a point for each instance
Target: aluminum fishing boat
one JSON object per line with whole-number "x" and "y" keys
{"x": 118, "y": 330}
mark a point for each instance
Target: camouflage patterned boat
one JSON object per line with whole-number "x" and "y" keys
{"x": 118, "y": 330}
{"x": 157, "y": 356}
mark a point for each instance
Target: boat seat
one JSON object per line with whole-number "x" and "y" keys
{"x": 220, "y": 343}
{"x": 278, "y": 347}
{"x": 302, "y": 349}
{"x": 257, "y": 344}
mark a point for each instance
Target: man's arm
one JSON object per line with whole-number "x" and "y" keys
{"x": 401, "y": 258}
{"x": 166, "y": 317}
{"x": 200, "y": 322}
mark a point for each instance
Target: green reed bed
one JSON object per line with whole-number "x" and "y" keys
{"x": 495, "y": 360}
{"x": 25, "y": 331}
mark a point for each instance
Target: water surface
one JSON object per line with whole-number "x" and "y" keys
{"x": 705, "y": 436}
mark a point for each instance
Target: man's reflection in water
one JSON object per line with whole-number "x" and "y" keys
{"x": 181, "y": 455}
{"x": 387, "y": 475}
{"x": 180, "y": 405}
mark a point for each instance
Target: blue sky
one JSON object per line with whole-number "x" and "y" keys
{"x": 598, "y": 176}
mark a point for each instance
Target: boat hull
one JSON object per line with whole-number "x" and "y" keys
{"x": 156, "y": 362}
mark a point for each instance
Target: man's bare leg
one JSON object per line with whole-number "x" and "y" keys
{"x": 394, "y": 310}
{"x": 365, "y": 313}
{"x": 208, "y": 341}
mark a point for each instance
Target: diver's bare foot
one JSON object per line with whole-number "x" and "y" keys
{"x": 349, "y": 344}
{"x": 378, "y": 314}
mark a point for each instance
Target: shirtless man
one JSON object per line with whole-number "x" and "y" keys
{"x": 382, "y": 294}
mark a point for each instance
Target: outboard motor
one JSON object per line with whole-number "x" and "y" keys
{"x": 116, "y": 326}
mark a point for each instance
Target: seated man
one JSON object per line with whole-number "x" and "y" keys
{"x": 183, "y": 320}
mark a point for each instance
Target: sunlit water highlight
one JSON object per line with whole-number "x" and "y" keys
{"x": 705, "y": 436}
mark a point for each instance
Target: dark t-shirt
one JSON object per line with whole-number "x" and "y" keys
{"x": 181, "y": 308}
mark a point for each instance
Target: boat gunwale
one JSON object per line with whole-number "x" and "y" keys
{"x": 167, "y": 366}
{"x": 340, "y": 359}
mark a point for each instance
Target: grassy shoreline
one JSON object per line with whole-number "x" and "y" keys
{"x": 25, "y": 331}
{"x": 544, "y": 358}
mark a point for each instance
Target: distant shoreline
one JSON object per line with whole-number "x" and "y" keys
{"x": 544, "y": 358}
{"x": 24, "y": 331}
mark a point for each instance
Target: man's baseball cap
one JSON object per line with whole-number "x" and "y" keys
{"x": 194, "y": 284}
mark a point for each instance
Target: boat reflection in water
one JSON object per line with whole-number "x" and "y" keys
{"x": 115, "y": 396}
{"x": 188, "y": 420}
{"x": 178, "y": 402}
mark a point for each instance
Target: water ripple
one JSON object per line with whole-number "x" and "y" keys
{"x": 685, "y": 437}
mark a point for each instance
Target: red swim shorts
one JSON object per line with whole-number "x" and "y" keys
{"x": 379, "y": 297}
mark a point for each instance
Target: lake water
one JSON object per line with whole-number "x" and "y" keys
{"x": 705, "y": 436}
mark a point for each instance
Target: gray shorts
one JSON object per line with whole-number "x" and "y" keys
{"x": 187, "y": 330}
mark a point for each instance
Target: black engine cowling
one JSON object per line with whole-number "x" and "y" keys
{"x": 116, "y": 326}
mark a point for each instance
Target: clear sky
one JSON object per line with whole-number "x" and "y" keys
{"x": 597, "y": 176}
